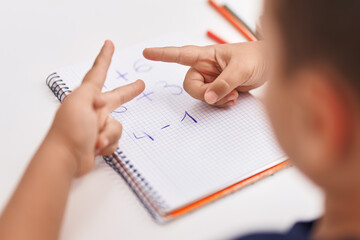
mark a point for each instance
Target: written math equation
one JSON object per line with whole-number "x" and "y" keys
{"x": 148, "y": 96}
{"x": 144, "y": 135}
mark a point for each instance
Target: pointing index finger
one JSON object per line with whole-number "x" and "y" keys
{"x": 187, "y": 55}
{"x": 98, "y": 72}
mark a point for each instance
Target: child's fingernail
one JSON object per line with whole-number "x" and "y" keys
{"x": 211, "y": 97}
{"x": 231, "y": 98}
{"x": 232, "y": 103}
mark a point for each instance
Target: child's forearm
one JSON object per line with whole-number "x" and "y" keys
{"x": 36, "y": 208}
{"x": 82, "y": 128}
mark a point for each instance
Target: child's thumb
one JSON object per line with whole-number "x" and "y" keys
{"x": 227, "y": 81}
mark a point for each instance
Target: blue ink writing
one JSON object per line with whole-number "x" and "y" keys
{"x": 187, "y": 114}
{"x": 144, "y": 136}
{"x": 120, "y": 109}
{"x": 121, "y": 75}
{"x": 165, "y": 126}
{"x": 145, "y": 95}
{"x": 141, "y": 67}
{"x": 176, "y": 89}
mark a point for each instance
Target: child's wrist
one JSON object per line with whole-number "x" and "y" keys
{"x": 62, "y": 153}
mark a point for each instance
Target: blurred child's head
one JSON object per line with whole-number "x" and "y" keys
{"x": 314, "y": 93}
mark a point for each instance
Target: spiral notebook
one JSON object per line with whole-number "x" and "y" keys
{"x": 177, "y": 153}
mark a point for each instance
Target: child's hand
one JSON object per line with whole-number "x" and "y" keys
{"x": 82, "y": 125}
{"x": 217, "y": 72}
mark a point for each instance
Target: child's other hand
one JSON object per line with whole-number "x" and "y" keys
{"x": 217, "y": 72}
{"x": 82, "y": 124}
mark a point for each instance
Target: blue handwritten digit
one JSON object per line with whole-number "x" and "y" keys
{"x": 121, "y": 75}
{"x": 141, "y": 67}
{"x": 187, "y": 114}
{"x": 120, "y": 109}
{"x": 145, "y": 95}
{"x": 143, "y": 136}
{"x": 165, "y": 126}
{"x": 177, "y": 90}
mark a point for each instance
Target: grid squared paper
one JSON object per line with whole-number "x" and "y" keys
{"x": 183, "y": 159}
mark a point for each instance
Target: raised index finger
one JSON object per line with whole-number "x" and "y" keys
{"x": 187, "y": 55}
{"x": 123, "y": 94}
{"x": 98, "y": 72}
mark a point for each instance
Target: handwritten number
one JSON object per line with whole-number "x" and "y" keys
{"x": 187, "y": 114}
{"x": 120, "y": 109}
{"x": 143, "y": 136}
{"x": 141, "y": 67}
{"x": 176, "y": 89}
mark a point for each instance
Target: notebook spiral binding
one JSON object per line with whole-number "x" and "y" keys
{"x": 138, "y": 184}
{"x": 57, "y": 86}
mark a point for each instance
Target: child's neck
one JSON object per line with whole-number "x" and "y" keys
{"x": 341, "y": 218}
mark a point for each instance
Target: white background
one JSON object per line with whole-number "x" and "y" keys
{"x": 39, "y": 36}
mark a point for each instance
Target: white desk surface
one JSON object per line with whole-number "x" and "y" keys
{"x": 40, "y": 35}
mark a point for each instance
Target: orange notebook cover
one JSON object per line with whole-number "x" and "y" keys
{"x": 165, "y": 217}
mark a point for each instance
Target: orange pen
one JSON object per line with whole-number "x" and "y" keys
{"x": 234, "y": 21}
{"x": 215, "y": 37}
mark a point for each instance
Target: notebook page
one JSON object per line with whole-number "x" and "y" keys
{"x": 184, "y": 148}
